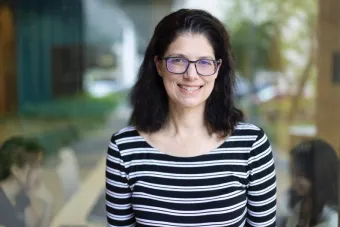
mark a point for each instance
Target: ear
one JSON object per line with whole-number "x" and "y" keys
{"x": 219, "y": 63}
{"x": 158, "y": 63}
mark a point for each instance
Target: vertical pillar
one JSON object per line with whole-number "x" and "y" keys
{"x": 7, "y": 61}
{"x": 328, "y": 80}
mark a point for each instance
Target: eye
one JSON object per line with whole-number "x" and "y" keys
{"x": 205, "y": 62}
{"x": 177, "y": 60}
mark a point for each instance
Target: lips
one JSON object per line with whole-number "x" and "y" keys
{"x": 190, "y": 88}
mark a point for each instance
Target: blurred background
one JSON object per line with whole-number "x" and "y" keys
{"x": 66, "y": 67}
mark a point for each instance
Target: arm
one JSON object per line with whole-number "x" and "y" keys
{"x": 118, "y": 193}
{"x": 261, "y": 191}
{"x": 39, "y": 212}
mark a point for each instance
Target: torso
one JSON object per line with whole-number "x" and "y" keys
{"x": 12, "y": 216}
{"x": 204, "y": 190}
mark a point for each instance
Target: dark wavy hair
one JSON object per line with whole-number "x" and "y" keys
{"x": 149, "y": 99}
{"x": 317, "y": 161}
{"x": 18, "y": 151}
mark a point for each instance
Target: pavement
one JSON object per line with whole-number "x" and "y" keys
{"x": 65, "y": 178}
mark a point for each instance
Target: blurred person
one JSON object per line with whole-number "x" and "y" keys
{"x": 314, "y": 191}
{"x": 20, "y": 184}
{"x": 188, "y": 159}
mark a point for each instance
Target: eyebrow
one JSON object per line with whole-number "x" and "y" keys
{"x": 183, "y": 56}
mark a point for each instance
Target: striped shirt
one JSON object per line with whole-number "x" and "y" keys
{"x": 232, "y": 185}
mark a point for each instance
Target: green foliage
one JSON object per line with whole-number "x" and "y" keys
{"x": 263, "y": 30}
{"x": 249, "y": 37}
{"x": 76, "y": 107}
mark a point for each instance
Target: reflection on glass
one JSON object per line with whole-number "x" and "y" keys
{"x": 24, "y": 199}
{"x": 314, "y": 190}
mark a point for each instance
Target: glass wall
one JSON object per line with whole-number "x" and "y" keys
{"x": 66, "y": 69}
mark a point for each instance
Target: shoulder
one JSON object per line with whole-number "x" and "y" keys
{"x": 253, "y": 132}
{"x": 260, "y": 150}
{"x": 330, "y": 216}
{"x": 247, "y": 136}
{"x": 121, "y": 140}
{"x": 247, "y": 126}
{"x": 123, "y": 134}
{"x": 126, "y": 139}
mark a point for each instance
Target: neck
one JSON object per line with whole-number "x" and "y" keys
{"x": 11, "y": 189}
{"x": 185, "y": 122}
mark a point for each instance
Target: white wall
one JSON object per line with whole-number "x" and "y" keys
{"x": 114, "y": 26}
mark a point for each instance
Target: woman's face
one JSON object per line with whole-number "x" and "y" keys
{"x": 28, "y": 176}
{"x": 300, "y": 184}
{"x": 188, "y": 89}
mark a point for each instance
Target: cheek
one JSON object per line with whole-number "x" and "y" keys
{"x": 24, "y": 175}
{"x": 208, "y": 89}
{"x": 170, "y": 82}
{"x": 162, "y": 71}
{"x": 34, "y": 176}
{"x": 301, "y": 185}
{"x": 210, "y": 83}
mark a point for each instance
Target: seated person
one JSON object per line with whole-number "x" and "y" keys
{"x": 314, "y": 192}
{"x": 20, "y": 183}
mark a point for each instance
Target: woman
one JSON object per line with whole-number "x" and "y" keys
{"x": 187, "y": 160}
{"x": 314, "y": 185}
{"x": 20, "y": 183}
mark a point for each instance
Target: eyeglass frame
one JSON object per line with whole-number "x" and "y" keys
{"x": 216, "y": 64}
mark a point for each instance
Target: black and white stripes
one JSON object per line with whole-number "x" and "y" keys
{"x": 233, "y": 185}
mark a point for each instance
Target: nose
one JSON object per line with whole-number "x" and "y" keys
{"x": 191, "y": 73}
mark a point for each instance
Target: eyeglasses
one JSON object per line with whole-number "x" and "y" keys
{"x": 179, "y": 65}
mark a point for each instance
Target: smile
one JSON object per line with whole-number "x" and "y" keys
{"x": 189, "y": 89}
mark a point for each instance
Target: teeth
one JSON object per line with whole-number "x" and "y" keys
{"x": 191, "y": 89}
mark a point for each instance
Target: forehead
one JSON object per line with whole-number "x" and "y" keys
{"x": 34, "y": 158}
{"x": 191, "y": 46}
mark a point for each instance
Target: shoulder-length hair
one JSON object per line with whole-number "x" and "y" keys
{"x": 149, "y": 99}
{"x": 317, "y": 161}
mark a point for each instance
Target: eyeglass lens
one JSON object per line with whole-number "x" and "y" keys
{"x": 180, "y": 65}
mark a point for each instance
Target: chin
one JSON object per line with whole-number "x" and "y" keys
{"x": 190, "y": 103}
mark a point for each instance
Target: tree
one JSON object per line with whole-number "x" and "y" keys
{"x": 243, "y": 42}
{"x": 282, "y": 36}
{"x": 256, "y": 43}
{"x": 280, "y": 29}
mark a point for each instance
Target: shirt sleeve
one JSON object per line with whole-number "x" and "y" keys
{"x": 261, "y": 192}
{"x": 118, "y": 193}
{"x": 22, "y": 202}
